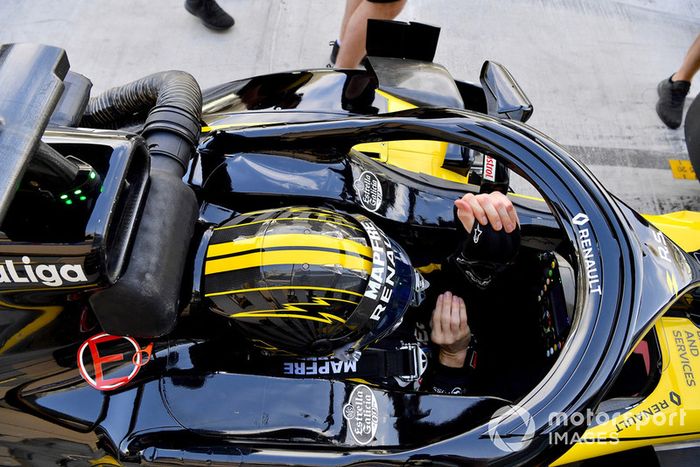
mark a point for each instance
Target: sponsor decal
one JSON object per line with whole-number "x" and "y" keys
{"x": 362, "y": 414}
{"x": 489, "y": 168}
{"x": 687, "y": 346}
{"x": 369, "y": 191}
{"x": 109, "y": 362}
{"x": 511, "y": 442}
{"x": 589, "y": 260}
{"x": 29, "y": 272}
{"x": 661, "y": 246}
{"x": 314, "y": 366}
{"x": 580, "y": 219}
{"x": 381, "y": 282}
{"x": 648, "y": 414}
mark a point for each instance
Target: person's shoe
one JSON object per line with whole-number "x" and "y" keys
{"x": 671, "y": 99}
{"x": 334, "y": 53}
{"x": 211, "y": 14}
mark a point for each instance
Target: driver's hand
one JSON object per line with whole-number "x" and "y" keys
{"x": 492, "y": 208}
{"x": 450, "y": 330}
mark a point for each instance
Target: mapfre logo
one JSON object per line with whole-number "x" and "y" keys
{"x": 109, "y": 362}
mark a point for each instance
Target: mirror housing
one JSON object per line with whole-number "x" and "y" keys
{"x": 504, "y": 97}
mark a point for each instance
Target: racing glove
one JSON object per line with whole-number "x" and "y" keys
{"x": 486, "y": 252}
{"x": 441, "y": 379}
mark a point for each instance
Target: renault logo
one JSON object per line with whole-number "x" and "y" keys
{"x": 580, "y": 219}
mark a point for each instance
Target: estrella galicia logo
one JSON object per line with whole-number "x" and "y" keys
{"x": 511, "y": 442}
{"x": 362, "y": 414}
{"x": 580, "y": 219}
{"x": 369, "y": 190}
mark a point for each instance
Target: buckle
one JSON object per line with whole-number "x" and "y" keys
{"x": 419, "y": 363}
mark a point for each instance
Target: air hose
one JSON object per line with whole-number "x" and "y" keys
{"x": 144, "y": 301}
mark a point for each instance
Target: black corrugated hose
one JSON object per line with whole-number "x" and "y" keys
{"x": 176, "y": 102}
{"x": 144, "y": 301}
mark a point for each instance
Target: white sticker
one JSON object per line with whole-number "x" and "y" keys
{"x": 369, "y": 190}
{"x": 362, "y": 414}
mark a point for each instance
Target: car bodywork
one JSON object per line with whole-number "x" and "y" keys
{"x": 307, "y": 138}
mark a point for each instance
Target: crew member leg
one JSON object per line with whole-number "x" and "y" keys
{"x": 352, "y": 41}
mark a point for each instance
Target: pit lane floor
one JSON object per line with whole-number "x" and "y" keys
{"x": 590, "y": 67}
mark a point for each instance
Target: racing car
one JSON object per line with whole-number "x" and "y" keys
{"x": 119, "y": 345}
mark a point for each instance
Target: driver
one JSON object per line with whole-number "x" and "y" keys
{"x": 320, "y": 293}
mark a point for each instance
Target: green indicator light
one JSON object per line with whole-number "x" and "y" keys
{"x": 77, "y": 192}
{"x": 92, "y": 175}
{"x": 68, "y": 201}
{"x": 83, "y": 198}
{"x": 64, "y": 196}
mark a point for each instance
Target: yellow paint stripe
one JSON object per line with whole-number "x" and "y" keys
{"x": 318, "y": 258}
{"x": 46, "y": 315}
{"x": 207, "y": 129}
{"x": 533, "y": 198}
{"x": 289, "y": 219}
{"x": 288, "y": 241}
{"x": 283, "y": 287}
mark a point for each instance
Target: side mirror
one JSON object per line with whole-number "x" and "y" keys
{"x": 504, "y": 98}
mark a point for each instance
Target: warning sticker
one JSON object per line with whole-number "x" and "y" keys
{"x": 682, "y": 169}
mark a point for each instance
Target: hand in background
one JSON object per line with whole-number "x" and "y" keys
{"x": 492, "y": 208}
{"x": 450, "y": 330}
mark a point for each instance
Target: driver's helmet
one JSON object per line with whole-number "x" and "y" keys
{"x": 309, "y": 281}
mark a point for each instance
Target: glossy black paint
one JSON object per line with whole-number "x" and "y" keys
{"x": 31, "y": 83}
{"x": 184, "y": 407}
{"x": 503, "y": 95}
{"x": 328, "y": 91}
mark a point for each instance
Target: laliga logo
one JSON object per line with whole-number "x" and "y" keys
{"x": 511, "y": 442}
{"x": 120, "y": 357}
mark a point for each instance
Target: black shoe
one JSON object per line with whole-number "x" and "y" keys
{"x": 671, "y": 99}
{"x": 211, "y": 14}
{"x": 334, "y": 54}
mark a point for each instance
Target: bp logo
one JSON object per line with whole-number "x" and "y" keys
{"x": 362, "y": 414}
{"x": 369, "y": 190}
{"x": 511, "y": 442}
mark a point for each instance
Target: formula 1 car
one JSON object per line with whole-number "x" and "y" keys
{"x": 112, "y": 353}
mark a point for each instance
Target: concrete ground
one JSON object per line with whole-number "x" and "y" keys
{"x": 590, "y": 67}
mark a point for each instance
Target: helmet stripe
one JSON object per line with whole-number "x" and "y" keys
{"x": 320, "y": 258}
{"x": 288, "y": 241}
{"x": 344, "y": 224}
{"x": 284, "y": 287}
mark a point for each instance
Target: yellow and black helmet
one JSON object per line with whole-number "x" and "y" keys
{"x": 308, "y": 281}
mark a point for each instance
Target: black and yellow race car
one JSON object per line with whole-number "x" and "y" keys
{"x": 115, "y": 222}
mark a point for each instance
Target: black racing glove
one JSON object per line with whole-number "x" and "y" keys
{"x": 486, "y": 252}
